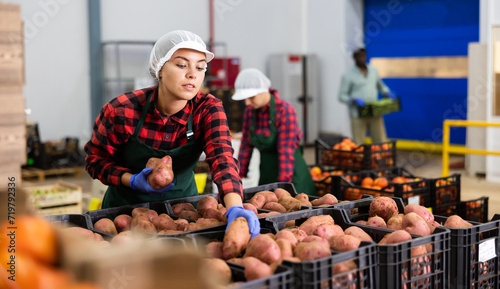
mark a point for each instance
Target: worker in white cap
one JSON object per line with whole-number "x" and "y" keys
{"x": 270, "y": 125}
{"x": 172, "y": 118}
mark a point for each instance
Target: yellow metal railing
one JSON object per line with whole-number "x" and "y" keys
{"x": 447, "y": 149}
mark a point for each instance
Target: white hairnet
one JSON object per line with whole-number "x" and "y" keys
{"x": 169, "y": 43}
{"x": 250, "y": 82}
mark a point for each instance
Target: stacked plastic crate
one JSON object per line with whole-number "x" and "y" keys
{"x": 12, "y": 115}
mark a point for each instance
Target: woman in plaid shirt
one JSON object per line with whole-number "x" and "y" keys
{"x": 172, "y": 118}
{"x": 270, "y": 125}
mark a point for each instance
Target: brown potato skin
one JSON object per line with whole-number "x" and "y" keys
{"x": 456, "y": 221}
{"x": 206, "y": 203}
{"x": 309, "y": 251}
{"x": 264, "y": 248}
{"x": 327, "y": 199}
{"x": 162, "y": 174}
{"x": 236, "y": 238}
{"x": 106, "y": 225}
{"x": 274, "y": 206}
{"x": 414, "y": 224}
{"x": 421, "y": 211}
{"x": 343, "y": 243}
{"x": 122, "y": 222}
{"x": 256, "y": 269}
{"x": 383, "y": 207}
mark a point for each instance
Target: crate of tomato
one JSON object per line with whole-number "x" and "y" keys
{"x": 389, "y": 182}
{"x": 323, "y": 178}
{"x": 346, "y": 155}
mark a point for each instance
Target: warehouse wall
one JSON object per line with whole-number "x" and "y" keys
{"x": 57, "y": 66}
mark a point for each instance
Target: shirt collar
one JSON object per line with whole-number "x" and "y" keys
{"x": 180, "y": 117}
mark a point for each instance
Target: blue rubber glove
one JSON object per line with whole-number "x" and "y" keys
{"x": 359, "y": 102}
{"x": 392, "y": 95}
{"x": 239, "y": 211}
{"x": 139, "y": 182}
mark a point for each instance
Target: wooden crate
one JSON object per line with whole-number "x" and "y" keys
{"x": 58, "y": 194}
{"x": 62, "y": 210}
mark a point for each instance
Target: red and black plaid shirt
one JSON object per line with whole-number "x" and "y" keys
{"x": 288, "y": 134}
{"x": 118, "y": 119}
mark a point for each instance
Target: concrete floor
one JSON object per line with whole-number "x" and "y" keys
{"x": 419, "y": 164}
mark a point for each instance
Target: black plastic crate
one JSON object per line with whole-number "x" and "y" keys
{"x": 281, "y": 279}
{"x": 71, "y": 220}
{"x": 473, "y": 210}
{"x": 319, "y": 273}
{"x": 193, "y": 200}
{"x": 324, "y": 183}
{"x": 415, "y": 191}
{"x": 445, "y": 190}
{"x": 248, "y": 193}
{"x": 467, "y": 248}
{"x": 363, "y": 157}
{"x": 359, "y": 210}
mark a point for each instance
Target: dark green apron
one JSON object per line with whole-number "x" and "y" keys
{"x": 136, "y": 154}
{"x": 269, "y": 163}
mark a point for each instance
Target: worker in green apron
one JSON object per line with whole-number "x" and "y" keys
{"x": 270, "y": 125}
{"x": 171, "y": 118}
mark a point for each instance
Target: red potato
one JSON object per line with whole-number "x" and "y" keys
{"x": 258, "y": 201}
{"x": 193, "y": 227}
{"x": 189, "y": 215}
{"x": 362, "y": 222}
{"x": 274, "y": 206}
{"x": 256, "y": 269}
{"x": 304, "y": 199}
{"x": 299, "y": 234}
{"x": 124, "y": 237}
{"x": 211, "y": 213}
{"x": 456, "y": 221}
{"x": 263, "y": 215}
{"x": 414, "y": 224}
{"x": 222, "y": 209}
{"x": 291, "y": 204}
{"x": 383, "y": 207}
{"x": 290, "y": 223}
{"x": 264, "y": 248}
{"x": 327, "y": 199}
{"x": 106, "y": 225}
{"x": 358, "y": 233}
{"x": 81, "y": 231}
{"x": 309, "y": 239}
{"x": 288, "y": 236}
{"x": 395, "y": 237}
{"x": 164, "y": 222}
{"x": 214, "y": 249}
{"x": 433, "y": 226}
{"x": 311, "y": 251}
{"x": 181, "y": 224}
{"x": 395, "y": 222}
{"x": 250, "y": 207}
{"x": 144, "y": 211}
{"x": 421, "y": 211}
{"x": 279, "y": 192}
{"x": 179, "y": 207}
{"x": 238, "y": 261}
{"x": 310, "y": 225}
{"x": 325, "y": 231}
{"x": 343, "y": 243}
{"x": 376, "y": 221}
{"x": 218, "y": 269}
{"x": 142, "y": 224}
{"x": 236, "y": 238}
{"x": 169, "y": 232}
{"x": 162, "y": 174}
{"x": 344, "y": 279}
{"x": 285, "y": 248}
{"x": 205, "y": 203}
{"x": 270, "y": 196}
{"x": 122, "y": 222}
{"x": 206, "y": 223}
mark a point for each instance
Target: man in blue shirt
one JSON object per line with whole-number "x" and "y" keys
{"x": 359, "y": 85}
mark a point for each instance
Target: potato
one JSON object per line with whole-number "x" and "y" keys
{"x": 358, "y": 233}
{"x": 383, "y": 207}
{"x": 164, "y": 222}
{"x": 236, "y": 238}
{"x": 343, "y": 267}
{"x": 395, "y": 222}
{"x": 218, "y": 269}
{"x": 189, "y": 215}
{"x": 177, "y": 208}
{"x": 162, "y": 174}
{"x": 456, "y": 221}
{"x": 327, "y": 199}
{"x": 256, "y": 269}
{"x": 285, "y": 248}
{"x": 311, "y": 251}
{"x": 123, "y": 237}
{"x": 362, "y": 222}
{"x": 106, "y": 225}
{"x": 279, "y": 192}
{"x": 211, "y": 213}
{"x": 214, "y": 249}
{"x": 206, "y": 223}
{"x": 433, "y": 226}
{"x": 290, "y": 223}
{"x": 263, "y": 215}
{"x": 258, "y": 201}
{"x": 414, "y": 224}
{"x": 270, "y": 196}
{"x": 238, "y": 261}
{"x": 395, "y": 237}
{"x": 181, "y": 224}
{"x": 81, "y": 231}
{"x": 122, "y": 222}
{"x": 376, "y": 221}
{"x": 309, "y": 239}
{"x": 310, "y": 225}
{"x": 142, "y": 224}
{"x": 288, "y": 236}
{"x": 264, "y": 248}
{"x": 250, "y": 207}
{"x": 193, "y": 227}
{"x": 222, "y": 209}
{"x": 207, "y": 202}
{"x": 299, "y": 234}
{"x": 325, "y": 231}
{"x": 169, "y": 232}
{"x": 274, "y": 206}
{"x": 144, "y": 211}
{"x": 343, "y": 243}
{"x": 291, "y": 204}
{"x": 421, "y": 211}
{"x": 304, "y": 199}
